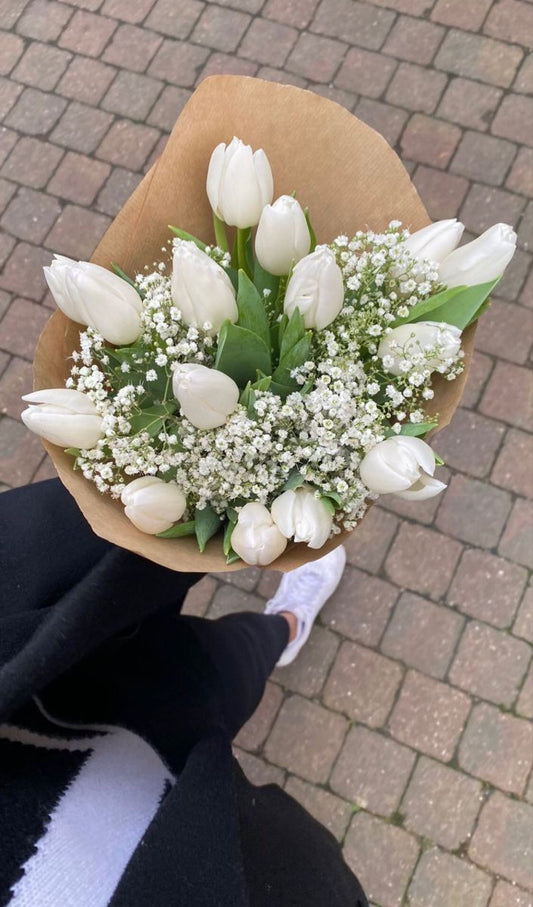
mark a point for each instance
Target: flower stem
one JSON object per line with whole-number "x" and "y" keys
{"x": 242, "y": 238}
{"x": 220, "y": 233}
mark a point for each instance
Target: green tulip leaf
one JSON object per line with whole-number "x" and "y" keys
{"x": 457, "y": 305}
{"x": 311, "y": 231}
{"x": 153, "y": 418}
{"x": 294, "y": 357}
{"x": 294, "y": 481}
{"x": 206, "y": 524}
{"x": 329, "y": 504}
{"x": 241, "y": 353}
{"x": 232, "y": 557}
{"x": 228, "y": 531}
{"x": 178, "y": 531}
{"x": 293, "y": 331}
{"x": 182, "y": 234}
{"x": 252, "y": 313}
{"x": 264, "y": 280}
{"x": 125, "y": 277}
{"x": 412, "y": 429}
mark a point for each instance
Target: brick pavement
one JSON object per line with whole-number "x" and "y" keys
{"x": 405, "y": 725}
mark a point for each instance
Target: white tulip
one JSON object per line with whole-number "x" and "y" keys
{"x": 300, "y": 514}
{"x": 153, "y": 505}
{"x": 256, "y": 538}
{"x": 239, "y": 183}
{"x": 64, "y": 417}
{"x": 282, "y": 237}
{"x": 201, "y": 289}
{"x": 436, "y": 241}
{"x": 206, "y": 396}
{"x": 401, "y": 465}
{"x": 94, "y": 296}
{"x": 413, "y": 339}
{"x": 482, "y": 260}
{"x": 316, "y": 288}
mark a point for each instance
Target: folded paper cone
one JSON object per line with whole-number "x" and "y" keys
{"x": 343, "y": 170}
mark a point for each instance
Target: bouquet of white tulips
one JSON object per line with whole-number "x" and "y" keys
{"x": 265, "y": 387}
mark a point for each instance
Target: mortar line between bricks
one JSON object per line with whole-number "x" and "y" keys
{"x": 369, "y": 5}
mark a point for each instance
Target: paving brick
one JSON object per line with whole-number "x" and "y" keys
{"x": 32, "y": 162}
{"x": 168, "y": 107}
{"x": 490, "y": 664}
{"x": 423, "y": 560}
{"x": 23, "y": 272}
{"x": 462, "y": 15}
{"x": 178, "y": 62}
{"x": 441, "y": 804}
{"x": 79, "y": 178}
{"x": 470, "y": 442}
{"x": 524, "y": 622}
{"x": 357, "y": 23}
{"x": 524, "y": 79}
{"x": 372, "y": 771}
{"x": 470, "y": 104}
{"x": 442, "y": 193}
{"x": 480, "y": 369}
{"x": 412, "y": 7}
{"x": 126, "y": 10}
{"x": 362, "y": 684}
{"x": 174, "y": 19}
{"x": 422, "y": 635}
{"x": 46, "y": 470}
{"x": 250, "y": 6}
{"x": 20, "y": 327}
{"x": 414, "y": 39}
{"x": 227, "y": 64}
{"x": 270, "y": 43}
{"x": 157, "y": 151}
{"x": 9, "y": 92}
{"x": 42, "y": 66}
{"x": 367, "y": 547}
{"x": 503, "y": 839}
{"x": 383, "y": 880}
{"x": 487, "y": 587}
{"x": 517, "y": 540}
{"x": 514, "y": 277}
{"x": 525, "y": 228}
{"x": 221, "y": 29}
{"x": 514, "y": 118}
{"x": 87, "y": 34}
{"x": 246, "y": 578}
{"x": 416, "y": 88}
{"x": 5, "y": 300}
{"x": 429, "y": 716}
{"x": 7, "y": 244}
{"x": 199, "y": 597}
{"x": 10, "y": 10}
{"x": 506, "y": 895}
{"x": 308, "y": 673}
{"x": 132, "y": 95}
{"x": 81, "y": 128}
{"x": 506, "y": 331}
{"x": 524, "y": 704}
{"x": 511, "y": 20}
{"x": 483, "y": 157}
{"x": 132, "y": 47}
{"x": 329, "y": 810}
{"x": 509, "y": 395}
{"x": 8, "y": 138}
{"x": 477, "y": 57}
{"x": 30, "y": 215}
{"x": 387, "y": 120}
{"x": 513, "y": 467}
{"x": 86, "y": 80}
{"x": 15, "y": 381}
{"x": 11, "y": 49}
{"x": 306, "y": 739}
{"x": 429, "y": 141}
{"x": 344, "y": 98}
{"x": 91, "y": 5}
{"x": 365, "y": 72}
{"x": 43, "y": 20}
{"x": 77, "y": 232}
{"x": 35, "y": 112}
{"x": 118, "y": 188}
{"x": 442, "y": 880}
{"x": 360, "y": 606}
{"x": 256, "y": 730}
{"x": 257, "y": 770}
{"x": 229, "y": 600}
{"x": 473, "y": 512}
{"x": 127, "y": 144}
{"x": 20, "y": 453}
{"x": 297, "y": 13}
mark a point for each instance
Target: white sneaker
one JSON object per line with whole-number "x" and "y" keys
{"x": 304, "y": 592}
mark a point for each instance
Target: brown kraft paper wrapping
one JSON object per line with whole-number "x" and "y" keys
{"x": 342, "y": 169}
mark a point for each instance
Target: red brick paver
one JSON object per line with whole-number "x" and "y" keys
{"x": 412, "y": 704}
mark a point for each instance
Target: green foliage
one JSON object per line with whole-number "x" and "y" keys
{"x": 182, "y": 234}
{"x": 125, "y": 277}
{"x": 178, "y": 531}
{"x": 295, "y": 349}
{"x": 294, "y": 481}
{"x": 311, "y": 231}
{"x": 153, "y": 418}
{"x": 458, "y": 306}
{"x": 413, "y": 429}
{"x": 206, "y": 524}
{"x": 241, "y": 354}
{"x": 252, "y": 314}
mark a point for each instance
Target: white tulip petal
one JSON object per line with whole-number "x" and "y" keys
{"x": 482, "y": 260}
{"x": 256, "y": 538}
{"x": 395, "y": 464}
{"x": 63, "y": 428}
{"x": 72, "y": 400}
{"x": 426, "y": 487}
{"x": 435, "y": 241}
{"x": 239, "y": 183}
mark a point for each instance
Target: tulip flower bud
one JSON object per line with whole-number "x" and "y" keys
{"x": 401, "y": 465}
{"x": 201, "y": 289}
{"x": 206, "y": 396}
{"x": 436, "y": 241}
{"x": 282, "y": 237}
{"x": 64, "y": 417}
{"x": 239, "y": 183}
{"x": 300, "y": 514}
{"x": 256, "y": 538}
{"x": 409, "y": 340}
{"x": 482, "y": 260}
{"x": 316, "y": 288}
{"x": 153, "y": 505}
{"x": 94, "y": 296}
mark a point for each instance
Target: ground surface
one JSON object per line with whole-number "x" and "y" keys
{"x": 404, "y": 724}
